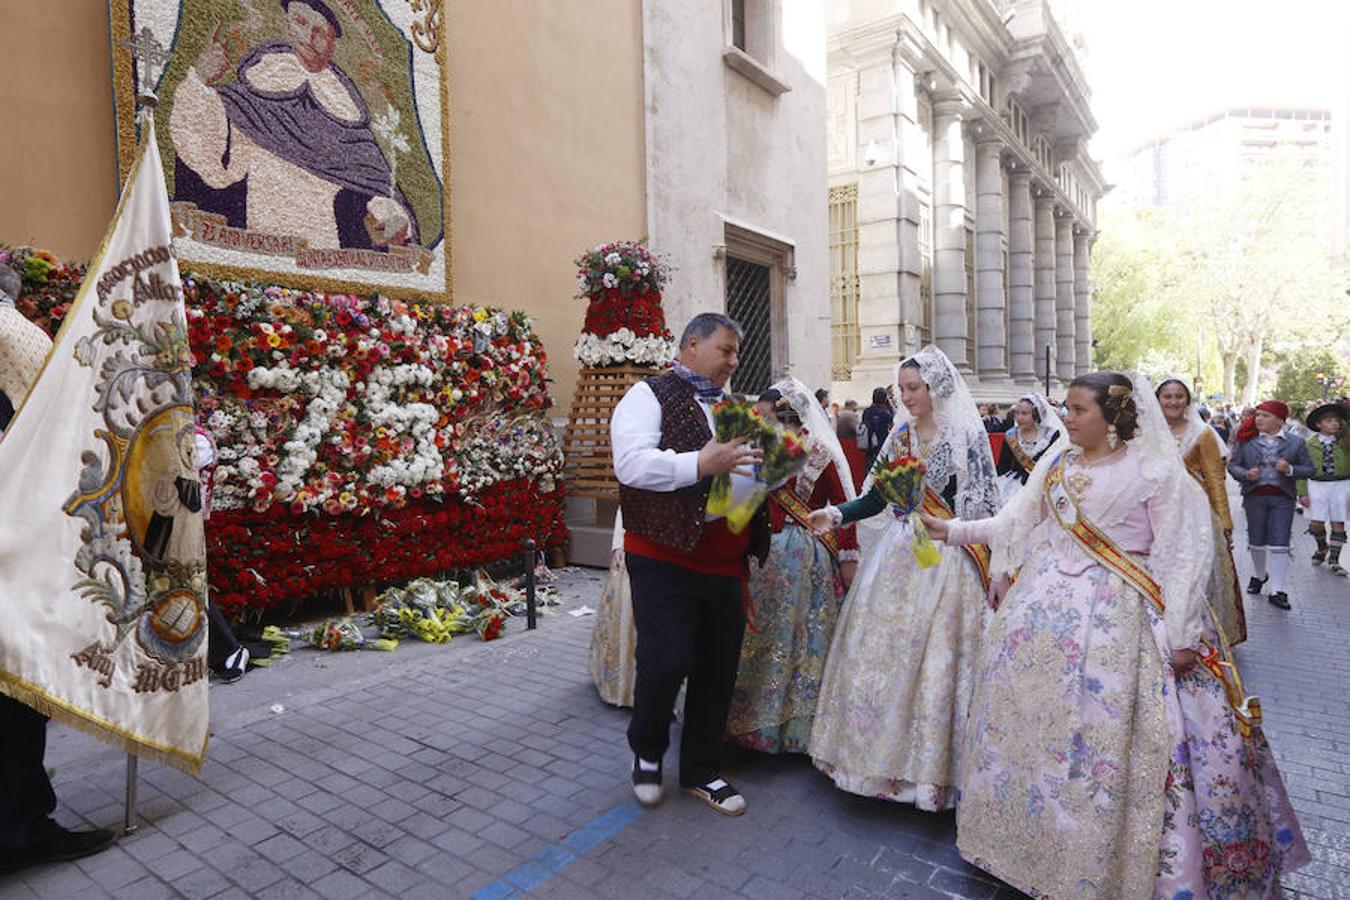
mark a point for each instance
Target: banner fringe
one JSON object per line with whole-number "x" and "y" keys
{"x": 38, "y": 700}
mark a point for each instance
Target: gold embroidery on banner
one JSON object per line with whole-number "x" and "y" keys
{"x": 427, "y": 33}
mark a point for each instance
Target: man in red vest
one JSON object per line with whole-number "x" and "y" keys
{"x": 687, "y": 570}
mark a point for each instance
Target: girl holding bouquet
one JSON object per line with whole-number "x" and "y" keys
{"x": 1113, "y": 752}
{"x": 794, "y": 596}
{"x": 890, "y": 722}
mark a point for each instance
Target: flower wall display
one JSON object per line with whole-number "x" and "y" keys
{"x": 359, "y": 439}
{"x": 625, "y": 323}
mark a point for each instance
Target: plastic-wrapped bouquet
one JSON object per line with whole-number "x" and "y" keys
{"x": 785, "y": 454}
{"x": 731, "y": 419}
{"x": 901, "y": 483}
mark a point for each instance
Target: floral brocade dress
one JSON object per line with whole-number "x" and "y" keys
{"x": 794, "y": 604}
{"x": 1093, "y": 770}
{"x": 890, "y": 722}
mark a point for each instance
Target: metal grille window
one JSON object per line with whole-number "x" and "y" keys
{"x": 846, "y": 338}
{"x": 749, "y": 303}
{"x": 925, "y": 270}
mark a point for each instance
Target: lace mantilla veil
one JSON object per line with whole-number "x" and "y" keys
{"x": 1049, "y": 423}
{"x": 818, "y": 428}
{"x": 1183, "y": 544}
{"x": 958, "y": 421}
{"x": 1195, "y": 426}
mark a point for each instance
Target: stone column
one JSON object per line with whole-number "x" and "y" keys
{"x": 879, "y": 250}
{"x": 1021, "y": 279}
{"x": 991, "y": 351}
{"x": 1045, "y": 281}
{"x": 1064, "y": 297}
{"x": 1082, "y": 301}
{"x": 950, "y": 327}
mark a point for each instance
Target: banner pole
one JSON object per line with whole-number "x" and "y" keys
{"x": 133, "y": 766}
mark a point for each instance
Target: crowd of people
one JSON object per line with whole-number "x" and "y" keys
{"x": 1056, "y": 667}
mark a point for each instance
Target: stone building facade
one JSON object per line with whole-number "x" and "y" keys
{"x": 735, "y": 174}
{"x": 962, "y": 196}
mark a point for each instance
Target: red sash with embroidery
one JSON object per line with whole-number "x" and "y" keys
{"x": 1019, "y": 454}
{"x": 936, "y": 507}
{"x": 799, "y": 512}
{"x": 1247, "y": 709}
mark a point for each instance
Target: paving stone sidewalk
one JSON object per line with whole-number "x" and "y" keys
{"x": 493, "y": 771}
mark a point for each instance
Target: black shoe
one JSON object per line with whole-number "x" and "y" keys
{"x": 1279, "y": 599}
{"x": 56, "y": 844}
{"x": 647, "y": 785}
{"x": 1319, "y": 556}
{"x": 1254, "y": 586}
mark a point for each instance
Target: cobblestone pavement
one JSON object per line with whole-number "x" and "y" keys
{"x": 492, "y": 771}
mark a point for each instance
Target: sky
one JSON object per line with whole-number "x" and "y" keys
{"x": 1153, "y": 65}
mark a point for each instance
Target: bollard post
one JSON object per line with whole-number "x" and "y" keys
{"x": 531, "y": 612}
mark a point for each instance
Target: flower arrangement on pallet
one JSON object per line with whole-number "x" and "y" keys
{"x": 625, "y": 323}
{"x": 360, "y": 440}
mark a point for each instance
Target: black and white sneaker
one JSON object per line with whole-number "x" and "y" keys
{"x": 646, "y": 783}
{"x": 234, "y": 667}
{"x": 1255, "y": 584}
{"x": 1280, "y": 600}
{"x": 720, "y": 796}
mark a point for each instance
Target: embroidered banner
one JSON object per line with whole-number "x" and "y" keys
{"x": 102, "y": 555}
{"x": 305, "y": 142}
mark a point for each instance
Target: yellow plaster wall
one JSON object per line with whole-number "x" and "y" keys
{"x": 547, "y": 153}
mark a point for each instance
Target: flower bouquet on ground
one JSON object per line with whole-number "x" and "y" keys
{"x": 901, "y": 483}
{"x": 731, "y": 419}
{"x": 785, "y": 454}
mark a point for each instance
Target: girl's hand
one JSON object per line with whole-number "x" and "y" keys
{"x": 937, "y": 528}
{"x": 998, "y": 589}
{"x": 847, "y": 571}
{"x": 820, "y": 522}
{"x": 1184, "y": 660}
{"x": 1305, "y": 502}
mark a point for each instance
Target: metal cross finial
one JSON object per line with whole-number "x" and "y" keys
{"x": 146, "y": 49}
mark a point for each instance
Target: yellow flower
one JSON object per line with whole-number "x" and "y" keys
{"x": 347, "y": 498}
{"x": 274, "y": 340}
{"x": 479, "y": 315}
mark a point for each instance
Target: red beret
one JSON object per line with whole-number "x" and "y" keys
{"x": 1275, "y": 408}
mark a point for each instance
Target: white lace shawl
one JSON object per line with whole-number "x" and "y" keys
{"x": 1047, "y": 427}
{"x": 1182, "y": 553}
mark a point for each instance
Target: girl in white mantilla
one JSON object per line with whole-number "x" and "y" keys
{"x": 1113, "y": 753}
{"x": 890, "y": 722}
{"x": 1036, "y": 431}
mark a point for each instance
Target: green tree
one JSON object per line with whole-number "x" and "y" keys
{"x": 1300, "y": 378}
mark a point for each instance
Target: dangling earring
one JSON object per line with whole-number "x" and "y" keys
{"x": 1112, "y": 439}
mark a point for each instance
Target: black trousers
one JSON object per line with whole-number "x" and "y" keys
{"x": 689, "y": 625}
{"x": 220, "y": 639}
{"x": 26, "y": 796}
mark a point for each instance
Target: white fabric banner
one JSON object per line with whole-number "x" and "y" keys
{"x": 102, "y": 555}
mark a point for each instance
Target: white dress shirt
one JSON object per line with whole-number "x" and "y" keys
{"x": 635, "y": 435}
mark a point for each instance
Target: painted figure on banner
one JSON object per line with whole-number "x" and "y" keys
{"x": 295, "y": 132}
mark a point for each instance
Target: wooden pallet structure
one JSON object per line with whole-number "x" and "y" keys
{"x": 587, "y": 462}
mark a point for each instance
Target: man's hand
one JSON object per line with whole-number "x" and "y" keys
{"x": 1282, "y": 466}
{"x": 1305, "y": 501}
{"x": 1253, "y": 474}
{"x": 732, "y": 458}
{"x": 214, "y": 61}
{"x": 848, "y": 570}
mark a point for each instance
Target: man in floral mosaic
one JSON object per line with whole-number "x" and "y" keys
{"x": 687, "y": 569}
{"x": 287, "y": 147}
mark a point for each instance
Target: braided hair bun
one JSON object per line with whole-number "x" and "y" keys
{"x": 1114, "y": 393}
